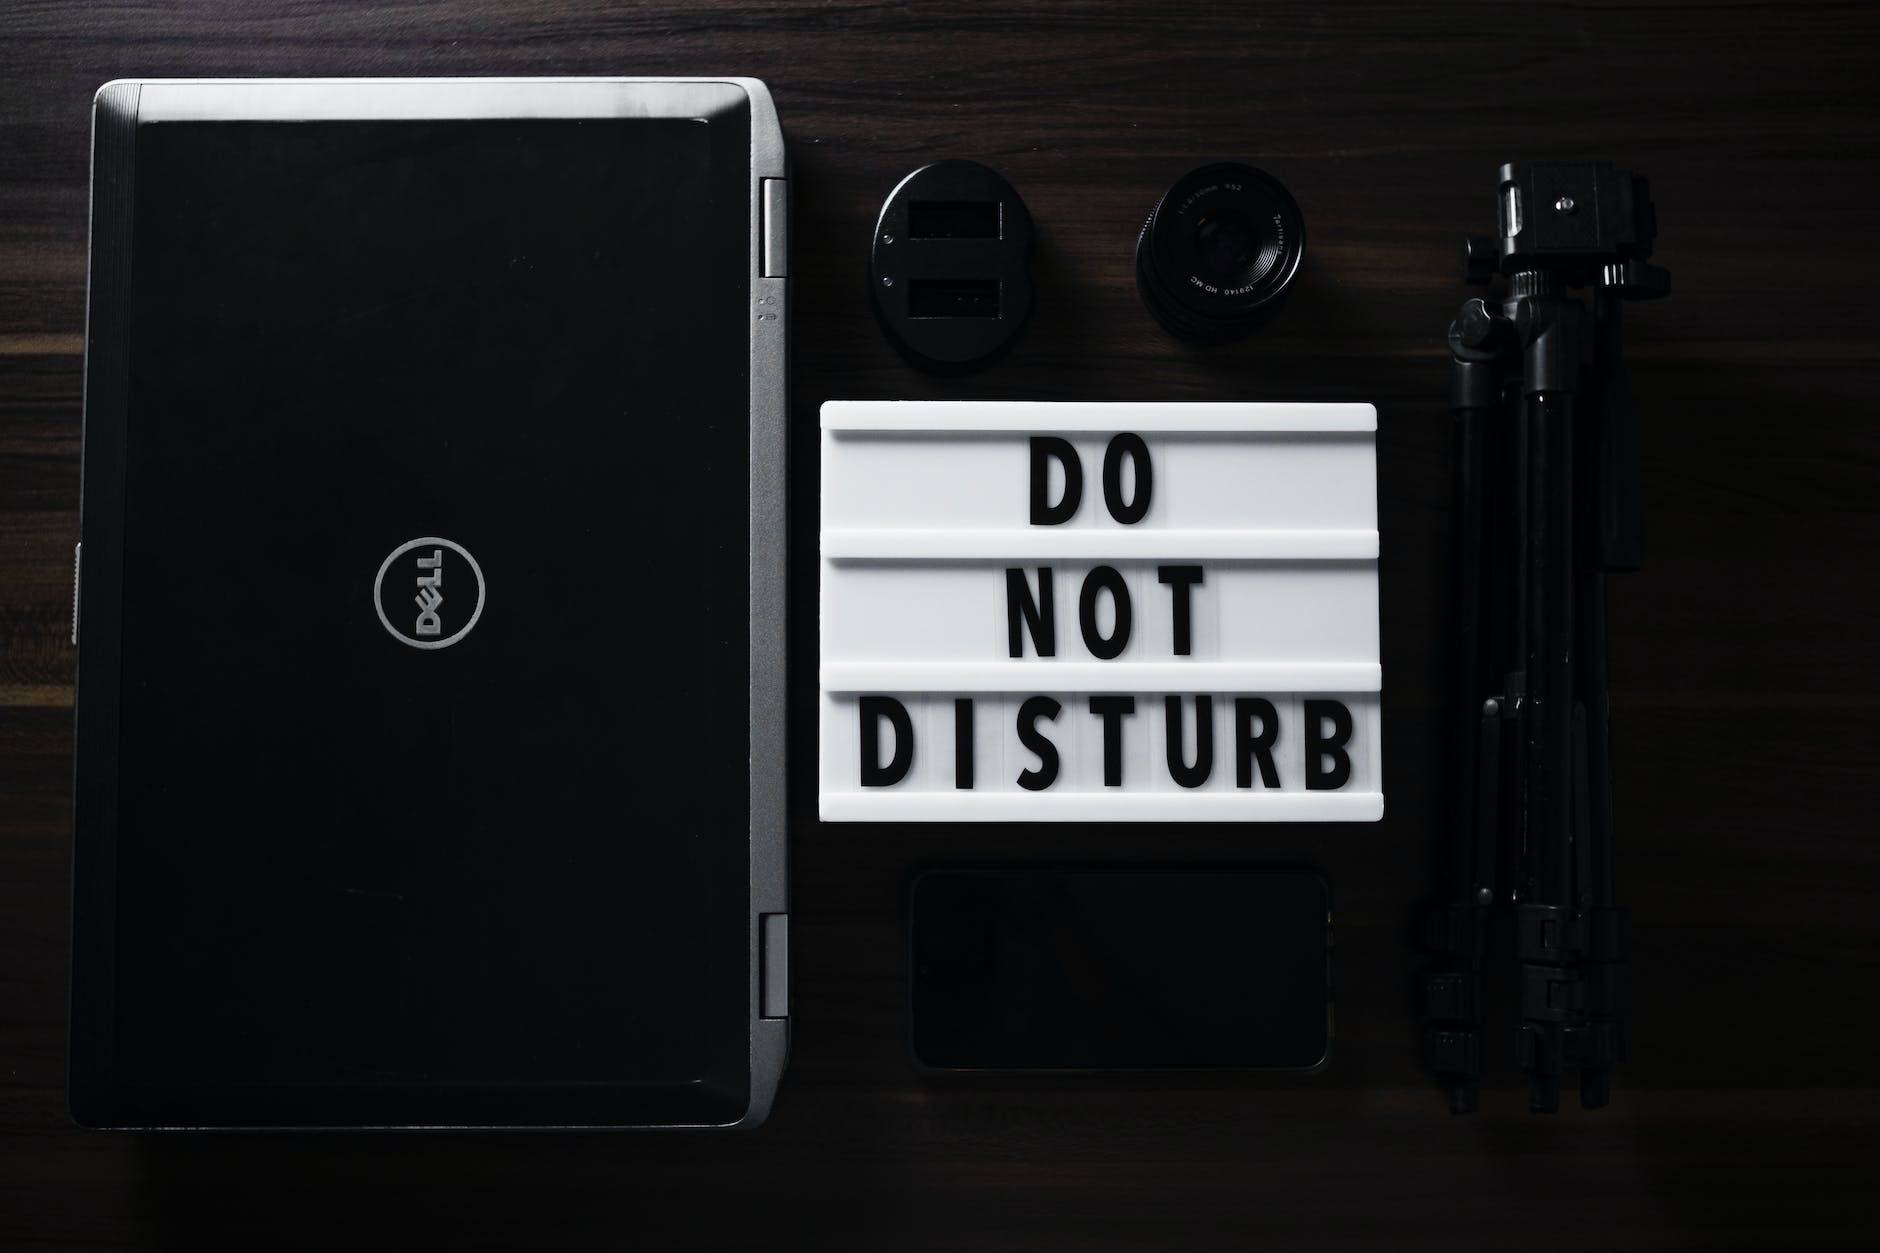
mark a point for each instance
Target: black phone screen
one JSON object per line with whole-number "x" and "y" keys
{"x": 1096, "y": 970}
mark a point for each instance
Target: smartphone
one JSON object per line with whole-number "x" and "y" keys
{"x": 1029, "y": 969}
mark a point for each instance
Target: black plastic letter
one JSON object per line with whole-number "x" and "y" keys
{"x": 963, "y": 743}
{"x": 1249, "y": 747}
{"x": 1178, "y": 767}
{"x": 874, "y": 709}
{"x": 1040, "y": 615}
{"x": 1181, "y": 580}
{"x": 1318, "y": 778}
{"x": 1046, "y": 774}
{"x": 1112, "y": 709}
{"x": 1097, "y": 580}
{"x": 1131, "y": 446}
{"x": 1044, "y": 450}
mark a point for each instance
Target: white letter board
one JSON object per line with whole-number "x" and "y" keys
{"x": 1028, "y": 608}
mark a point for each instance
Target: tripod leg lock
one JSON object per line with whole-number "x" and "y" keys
{"x": 1551, "y": 993}
{"x": 1547, "y": 1048}
{"x": 1549, "y": 933}
{"x": 1452, "y": 996}
{"x": 1458, "y": 930}
{"x": 1452, "y": 1050}
{"x": 1593, "y": 1045}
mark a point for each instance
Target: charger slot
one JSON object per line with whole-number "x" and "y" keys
{"x": 953, "y": 219}
{"x": 953, "y": 298}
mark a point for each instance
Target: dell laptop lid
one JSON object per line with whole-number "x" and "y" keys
{"x": 429, "y": 719}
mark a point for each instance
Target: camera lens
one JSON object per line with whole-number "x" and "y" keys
{"x": 1219, "y": 252}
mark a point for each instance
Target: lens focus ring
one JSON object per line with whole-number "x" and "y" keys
{"x": 1219, "y": 252}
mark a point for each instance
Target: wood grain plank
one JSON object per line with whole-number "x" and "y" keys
{"x": 1745, "y": 685}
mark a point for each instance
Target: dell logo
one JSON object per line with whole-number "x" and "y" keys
{"x": 429, "y": 593}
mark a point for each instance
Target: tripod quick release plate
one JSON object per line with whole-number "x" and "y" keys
{"x": 1585, "y": 220}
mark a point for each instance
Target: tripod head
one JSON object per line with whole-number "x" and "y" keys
{"x": 1585, "y": 222}
{"x": 1564, "y": 225}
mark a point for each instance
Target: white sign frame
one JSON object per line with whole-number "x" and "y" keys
{"x": 924, "y": 506}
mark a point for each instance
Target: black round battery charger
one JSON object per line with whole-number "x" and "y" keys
{"x": 951, "y": 265}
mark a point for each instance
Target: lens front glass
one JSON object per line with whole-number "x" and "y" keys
{"x": 1231, "y": 248}
{"x": 1219, "y": 251}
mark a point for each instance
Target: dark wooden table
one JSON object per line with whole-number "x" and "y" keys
{"x": 1744, "y": 668}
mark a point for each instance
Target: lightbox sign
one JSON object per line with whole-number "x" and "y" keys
{"x": 1099, "y": 612}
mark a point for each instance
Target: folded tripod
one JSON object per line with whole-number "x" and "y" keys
{"x": 1547, "y": 505}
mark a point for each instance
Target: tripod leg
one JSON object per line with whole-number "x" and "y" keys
{"x": 1453, "y": 996}
{"x": 1603, "y": 925}
{"x": 1548, "y": 985}
{"x": 1452, "y": 1000}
